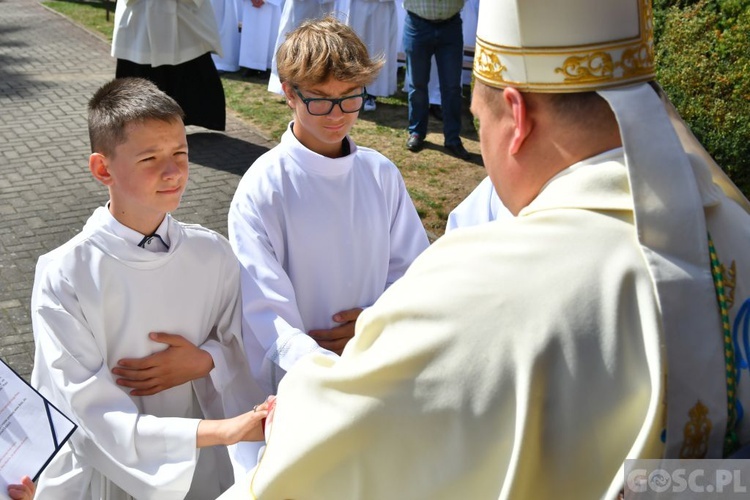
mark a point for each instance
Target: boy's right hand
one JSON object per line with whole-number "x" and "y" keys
{"x": 271, "y": 401}
{"x": 245, "y": 427}
{"x": 335, "y": 339}
{"x": 179, "y": 363}
{"x": 249, "y": 426}
{"x": 23, "y": 491}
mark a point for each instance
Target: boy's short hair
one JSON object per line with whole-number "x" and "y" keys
{"x": 122, "y": 101}
{"x": 320, "y": 49}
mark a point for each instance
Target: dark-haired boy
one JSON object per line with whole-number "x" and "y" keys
{"x": 110, "y": 292}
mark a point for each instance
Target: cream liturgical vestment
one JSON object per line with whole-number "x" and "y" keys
{"x": 498, "y": 366}
{"x": 95, "y": 300}
{"x": 315, "y": 236}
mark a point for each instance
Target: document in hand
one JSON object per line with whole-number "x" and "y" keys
{"x": 32, "y": 430}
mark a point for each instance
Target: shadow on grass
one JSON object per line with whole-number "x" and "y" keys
{"x": 474, "y": 158}
{"x": 393, "y": 112}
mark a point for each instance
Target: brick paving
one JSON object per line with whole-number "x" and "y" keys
{"x": 49, "y": 68}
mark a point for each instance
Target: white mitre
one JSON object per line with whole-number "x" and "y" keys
{"x": 607, "y": 46}
{"x": 564, "y": 46}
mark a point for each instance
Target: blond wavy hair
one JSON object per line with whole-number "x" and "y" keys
{"x": 321, "y": 49}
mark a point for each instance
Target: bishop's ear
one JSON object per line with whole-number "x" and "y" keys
{"x": 99, "y": 167}
{"x": 514, "y": 99}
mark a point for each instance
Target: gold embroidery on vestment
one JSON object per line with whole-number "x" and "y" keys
{"x": 730, "y": 281}
{"x": 696, "y": 432}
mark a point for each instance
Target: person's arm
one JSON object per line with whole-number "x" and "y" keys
{"x": 408, "y": 236}
{"x": 272, "y": 329}
{"x": 24, "y": 491}
{"x": 245, "y": 427}
{"x": 230, "y": 377}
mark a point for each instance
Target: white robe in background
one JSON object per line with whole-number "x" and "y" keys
{"x": 482, "y": 205}
{"x": 499, "y": 366}
{"x": 228, "y": 16}
{"x": 293, "y": 14}
{"x": 260, "y": 29}
{"x": 315, "y": 236}
{"x": 469, "y": 18}
{"x": 159, "y": 32}
{"x": 400, "y": 17}
{"x": 95, "y": 300}
{"x": 376, "y": 23}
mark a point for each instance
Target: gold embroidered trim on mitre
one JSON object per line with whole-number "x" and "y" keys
{"x": 488, "y": 63}
{"x": 577, "y": 69}
{"x": 599, "y": 65}
{"x": 696, "y": 432}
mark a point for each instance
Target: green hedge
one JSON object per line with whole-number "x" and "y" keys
{"x": 703, "y": 63}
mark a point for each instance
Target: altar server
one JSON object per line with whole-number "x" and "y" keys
{"x": 137, "y": 283}
{"x": 321, "y": 226}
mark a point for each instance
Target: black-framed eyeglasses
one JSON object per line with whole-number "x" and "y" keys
{"x": 320, "y": 106}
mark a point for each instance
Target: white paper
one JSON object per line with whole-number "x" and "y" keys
{"x": 31, "y": 430}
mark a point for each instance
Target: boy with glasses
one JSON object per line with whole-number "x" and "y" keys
{"x": 320, "y": 225}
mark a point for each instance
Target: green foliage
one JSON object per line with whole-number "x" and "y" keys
{"x": 703, "y": 63}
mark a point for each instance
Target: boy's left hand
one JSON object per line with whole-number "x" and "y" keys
{"x": 335, "y": 339}
{"x": 179, "y": 363}
{"x": 23, "y": 491}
